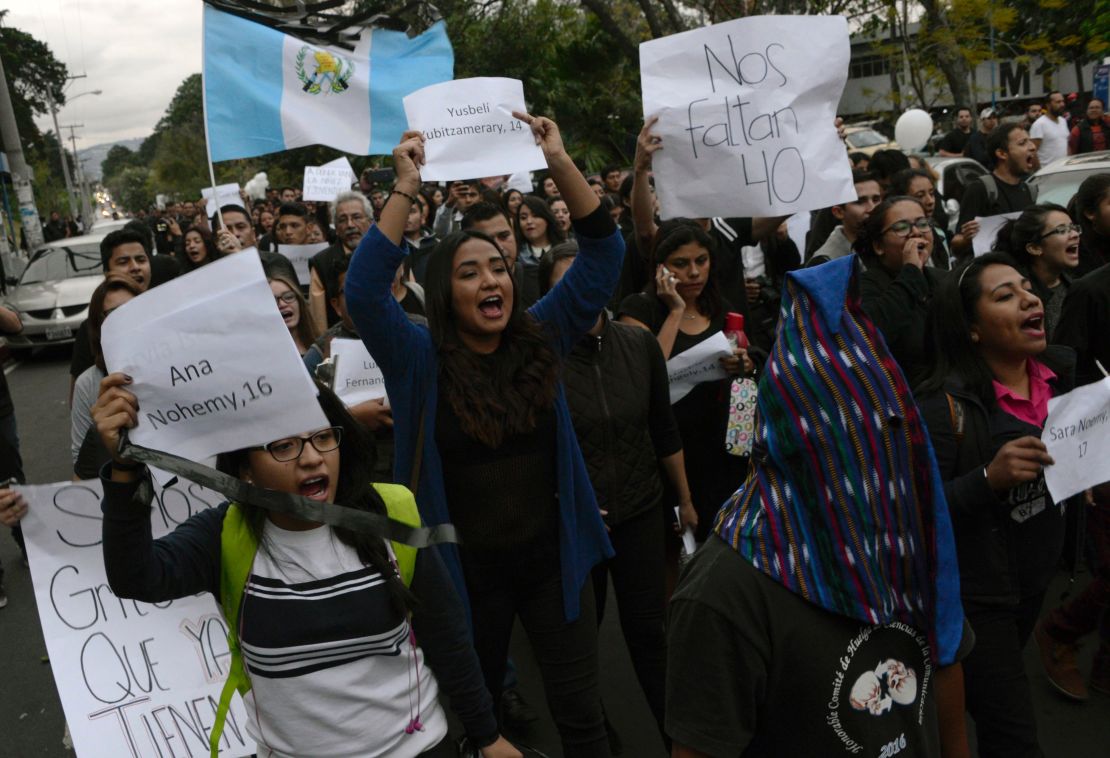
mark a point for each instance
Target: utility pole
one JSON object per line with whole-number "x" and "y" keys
{"x": 61, "y": 147}
{"x": 86, "y": 208}
{"x": 21, "y": 174}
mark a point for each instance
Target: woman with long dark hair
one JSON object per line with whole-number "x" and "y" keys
{"x": 481, "y": 423}
{"x": 537, "y": 230}
{"x": 511, "y": 201}
{"x": 985, "y": 401}
{"x": 294, "y": 312}
{"x": 198, "y": 249}
{"x": 271, "y": 572}
{"x": 1091, "y": 208}
{"x": 1045, "y": 244}
{"x": 921, "y": 185}
{"x": 895, "y": 242}
{"x": 683, "y": 307}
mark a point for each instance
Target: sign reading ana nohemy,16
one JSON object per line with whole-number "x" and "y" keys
{"x": 135, "y": 679}
{"x": 746, "y": 111}
{"x": 470, "y": 131}
{"x": 213, "y": 365}
{"x": 1077, "y": 435}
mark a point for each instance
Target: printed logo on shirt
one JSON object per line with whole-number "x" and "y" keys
{"x": 1028, "y": 499}
{"x": 879, "y": 688}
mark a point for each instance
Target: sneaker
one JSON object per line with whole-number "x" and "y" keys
{"x": 1059, "y": 663}
{"x": 515, "y": 709}
{"x": 1100, "y": 672}
{"x": 3, "y": 597}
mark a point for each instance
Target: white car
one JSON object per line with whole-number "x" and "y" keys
{"x": 1058, "y": 181}
{"x": 52, "y": 294}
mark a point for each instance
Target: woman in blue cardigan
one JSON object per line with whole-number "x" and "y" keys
{"x": 484, "y": 434}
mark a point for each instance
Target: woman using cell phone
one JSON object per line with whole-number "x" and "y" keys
{"x": 481, "y": 422}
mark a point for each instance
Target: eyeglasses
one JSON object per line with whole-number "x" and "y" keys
{"x": 286, "y": 297}
{"x": 1063, "y": 230}
{"x": 290, "y": 448}
{"x": 902, "y": 228}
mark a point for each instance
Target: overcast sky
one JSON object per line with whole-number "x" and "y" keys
{"x": 136, "y": 51}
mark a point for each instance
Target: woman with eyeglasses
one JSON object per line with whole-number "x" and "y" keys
{"x": 345, "y": 639}
{"x": 985, "y": 402}
{"x": 294, "y": 312}
{"x": 1045, "y": 244}
{"x": 894, "y": 244}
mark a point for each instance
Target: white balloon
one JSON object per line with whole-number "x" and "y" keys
{"x": 913, "y": 129}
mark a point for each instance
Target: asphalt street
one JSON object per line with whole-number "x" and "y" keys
{"x": 31, "y": 720}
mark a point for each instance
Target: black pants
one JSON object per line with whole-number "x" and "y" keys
{"x": 527, "y": 583}
{"x": 639, "y": 582}
{"x": 995, "y": 682}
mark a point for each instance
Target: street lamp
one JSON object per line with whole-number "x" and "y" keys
{"x": 70, "y": 192}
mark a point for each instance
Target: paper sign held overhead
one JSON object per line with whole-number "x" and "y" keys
{"x": 357, "y": 376}
{"x": 746, "y": 112}
{"x": 135, "y": 679}
{"x": 470, "y": 131}
{"x": 1077, "y": 435}
{"x": 323, "y": 183}
{"x": 225, "y": 194}
{"x": 214, "y": 366}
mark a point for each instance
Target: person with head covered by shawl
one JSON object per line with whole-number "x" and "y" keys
{"x": 822, "y": 617}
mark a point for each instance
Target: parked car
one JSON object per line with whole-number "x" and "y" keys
{"x": 864, "y": 139}
{"x": 953, "y": 174}
{"x": 1058, "y": 181}
{"x": 52, "y": 294}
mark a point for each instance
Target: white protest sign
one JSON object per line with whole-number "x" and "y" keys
{"x": 470, "y": 131}
{"x": 213, "y": 364}
{"x": 520, "y": 181}
{"x": 323, "y": 183}
{"x": 983, "y": 241}
{"x": 1077, "y": 435}
{"x": 299, "y": 256}
{"x": 357, "y": 376}
{"x": 135, "y": 679}
{"x": 225, "y": 194}
{"x": 746, "y": 112}
{"x": 701, "y": 363}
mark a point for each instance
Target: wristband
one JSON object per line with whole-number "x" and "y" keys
{"x": 402, "y": 193}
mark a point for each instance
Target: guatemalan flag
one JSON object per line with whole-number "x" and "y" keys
{"x": 266, "y": 91}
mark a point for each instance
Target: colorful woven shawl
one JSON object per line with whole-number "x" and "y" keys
{"x": 843, "y": 502}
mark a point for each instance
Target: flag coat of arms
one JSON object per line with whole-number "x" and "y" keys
{"x": 266, "y": 91}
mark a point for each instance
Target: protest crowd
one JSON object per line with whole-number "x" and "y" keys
{"x": 804, "y": 455}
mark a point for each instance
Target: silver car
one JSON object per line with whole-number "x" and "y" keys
{"x": 52, "y": 294}
{"x": 1057, "y": 182}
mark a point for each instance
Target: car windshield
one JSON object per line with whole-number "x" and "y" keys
{"x": 53, "y": 263}
{"x": 866, "y": 138}
{"x": 1060, "y": 187}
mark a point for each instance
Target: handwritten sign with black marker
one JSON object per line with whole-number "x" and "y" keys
{"x": 1077, "y": 435}
{"x": 135, "y": 679}
{"x": 213, "y": 364}
{"x": 746, "y": 112}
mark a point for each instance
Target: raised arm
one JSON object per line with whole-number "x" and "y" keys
{"x": 381, "y": 321}
{"x": 573, "y": 305}
{"x": 643, "y": 204}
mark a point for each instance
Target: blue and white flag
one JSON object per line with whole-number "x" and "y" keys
{"x": 266, "y": 91}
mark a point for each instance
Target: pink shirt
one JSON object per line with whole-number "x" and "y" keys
{"x": 1034, "y": 409}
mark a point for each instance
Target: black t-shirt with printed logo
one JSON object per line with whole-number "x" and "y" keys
{"x": 755, "y": 670}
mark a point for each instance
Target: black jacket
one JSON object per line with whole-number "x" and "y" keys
{"x": 898, "y": 304}
{"x": 1001, "y": 560}
{"x": 1085, "y": 323}
{"x": 617, "y": 389}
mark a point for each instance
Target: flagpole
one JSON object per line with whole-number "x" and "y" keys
{"x": 204, "y": 110}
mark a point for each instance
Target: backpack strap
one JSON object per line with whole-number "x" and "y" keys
{"x": 957, "y": 416}
{"x": 991, "y": 186}
{"x": 401, "y": 506}
{"x": 237, "y": 549}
